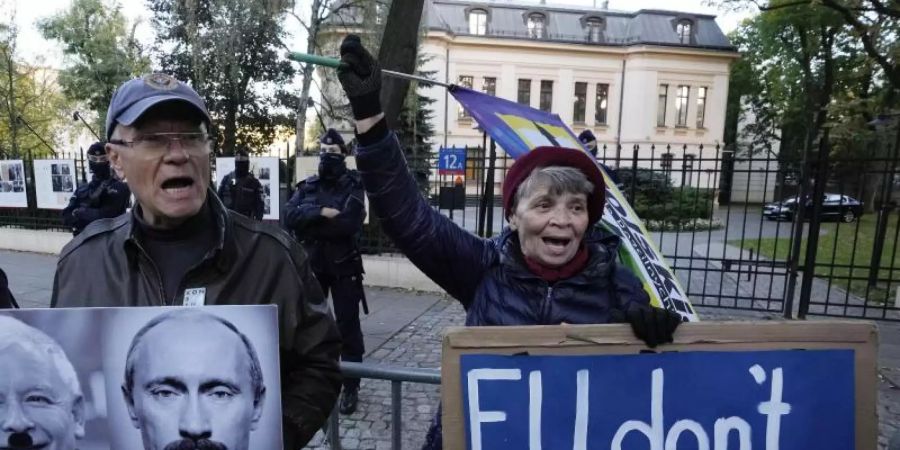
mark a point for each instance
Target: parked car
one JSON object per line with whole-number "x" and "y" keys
{"x": 834, "y": 207}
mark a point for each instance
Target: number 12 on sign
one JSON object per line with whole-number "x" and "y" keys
{"x": 452, "y": 161}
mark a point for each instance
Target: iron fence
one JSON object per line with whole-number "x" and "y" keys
{"x": 705, "y": 206}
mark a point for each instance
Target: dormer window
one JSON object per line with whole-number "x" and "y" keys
{"x": 537, "y": 25}
{"x": 683, "y": 29}
{"x": 478, "y": 22}
{"x": 594, "y": 27}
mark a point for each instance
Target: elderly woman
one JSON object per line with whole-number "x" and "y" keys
{"x": 546, "y": 268}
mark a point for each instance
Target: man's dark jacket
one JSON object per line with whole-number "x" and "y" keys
{"x": 253, "y": 263}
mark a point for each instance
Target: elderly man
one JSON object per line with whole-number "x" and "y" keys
{"x": 180, "y": 246}
{"x": 189, "y": 357}
{"x": 41, "y": 404}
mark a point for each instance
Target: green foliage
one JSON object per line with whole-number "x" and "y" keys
{"x": 30, "y": 92}
{"x": 416, "y": 130}
{"x": 231, "y": 52}
{"x": 101, "y": 52}
{"x": 657, "y": 201}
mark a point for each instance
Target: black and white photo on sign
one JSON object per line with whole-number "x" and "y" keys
{"x": 265, "y": 169}
{"x": 130, "y": 391}
{"x": 54, "y": 182}
{"x": 12, "y": 184}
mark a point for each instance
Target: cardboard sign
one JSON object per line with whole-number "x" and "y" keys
{"x": 740, "y": 386}
{"x": 123, "y": 378}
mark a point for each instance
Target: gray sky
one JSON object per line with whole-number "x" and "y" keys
{"x": 32, "y": 45}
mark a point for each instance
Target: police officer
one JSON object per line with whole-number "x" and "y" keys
{"x": 588, "y": 139}
{"x": 326, "y": 214}
{"x": 240, "y": 191}
{"x": 103, "y": 197}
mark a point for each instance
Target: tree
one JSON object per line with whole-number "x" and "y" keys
{"x": 230, "y": 51}
{"x": 28, "y": 96}
{"x": 101, "y": 50}
{"x": 874, "y": 23}
{"x": 322, "y": 13}
{"x": 415, "y": 130}
{"x": 804, "y": 69}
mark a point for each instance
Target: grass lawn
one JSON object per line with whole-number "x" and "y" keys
{"x": 844, "y": 253}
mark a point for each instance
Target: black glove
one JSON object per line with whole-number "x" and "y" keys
{"x": 654, "y": 326}
{"x": 360, "y": 75}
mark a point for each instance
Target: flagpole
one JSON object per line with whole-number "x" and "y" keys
{"x": 335, "y": 63}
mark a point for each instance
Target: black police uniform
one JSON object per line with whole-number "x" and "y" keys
{"x": 332, "y": 247}
{"x": 103, "y": 197}
{"x": 243, "y": 195}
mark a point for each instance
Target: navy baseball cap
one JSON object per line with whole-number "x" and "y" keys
{"x": 135, "y": 97}
{"x": 332, "y": 137}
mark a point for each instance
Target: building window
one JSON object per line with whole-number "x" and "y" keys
{"x": 546, "y": 95}
{"x": 536, "y": 26}
{"x": 681, "y": 105}
{"x": 602, "y": 104}
{"x": 666, "y": 163}
{"x": 478, "y": 22}
{"x": 594, "y": 29}
{"x": 466, "y": 82}
{"x": 688, "y": 167}
{"x": 524, "y": 96}
{"x": 683, "y": 30}
{"x": 490, "y": 86}
{"x": 701, "y": 106}
{"x": 580, "y": 102}
{"x": 661, "y": 105}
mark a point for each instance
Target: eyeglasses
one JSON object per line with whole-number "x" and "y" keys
{"x": 194, "y": 144}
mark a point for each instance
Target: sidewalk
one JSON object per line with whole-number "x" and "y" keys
{"x": 404, "y": 329}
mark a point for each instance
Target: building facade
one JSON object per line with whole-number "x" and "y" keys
{"x": 653, "y": 79}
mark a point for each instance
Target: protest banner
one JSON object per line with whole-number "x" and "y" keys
{"x": 55, "y": 182}
{"x": 120, "y": 378}
{"x": 518, "y": 129}
{"x": 719, "y": 386}
{"x": 12, "y": 184}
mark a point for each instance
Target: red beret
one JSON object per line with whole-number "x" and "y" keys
{"x": 556, "y": 156}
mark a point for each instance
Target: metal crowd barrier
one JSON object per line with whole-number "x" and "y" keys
{"x": 397, "y": 376}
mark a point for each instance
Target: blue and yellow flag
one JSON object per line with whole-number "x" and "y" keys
{"x": 518, "y": 129}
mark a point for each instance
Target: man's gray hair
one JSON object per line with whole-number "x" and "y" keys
{"x": 558, "y": 180}
{"x": 15, "y": 332}
{"x": 194, "y": 315}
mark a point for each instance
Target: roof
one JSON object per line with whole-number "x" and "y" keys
{"x": 567, "y": 24}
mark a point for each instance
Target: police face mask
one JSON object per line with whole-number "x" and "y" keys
{"x": 241, "y": 168}
{"x": 331, "y": 165}
{"x": 99, "y": 165}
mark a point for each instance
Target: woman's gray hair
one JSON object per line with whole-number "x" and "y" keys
{"x": 558, "y": 180}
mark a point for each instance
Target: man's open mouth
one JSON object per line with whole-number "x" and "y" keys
{"x": 177, "y": 183}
